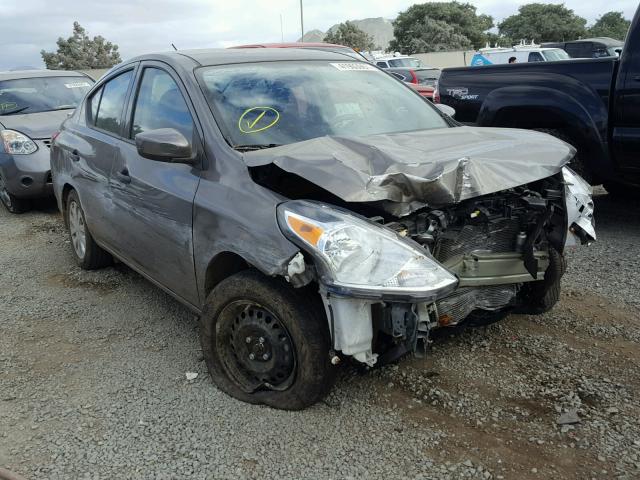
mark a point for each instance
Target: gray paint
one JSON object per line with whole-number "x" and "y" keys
{"x": 171, "y": 221}
{"x": 38, "y": 126}
{"x": 415, "y": 169}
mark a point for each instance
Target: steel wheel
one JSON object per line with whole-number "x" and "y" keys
{"x": 78, "y": 229}
{"x": 255, "y": 348}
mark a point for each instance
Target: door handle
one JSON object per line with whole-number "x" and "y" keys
{"x": 123, "y": 175}
{"x": 637, "y": 78}
{"x": 75, "y": 155}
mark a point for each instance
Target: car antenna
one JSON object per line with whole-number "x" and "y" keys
{"x": 174, "y": 47}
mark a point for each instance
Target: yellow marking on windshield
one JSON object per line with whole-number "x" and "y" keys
{"x": 261, "y": 123}
{"x": 256, "y": 120}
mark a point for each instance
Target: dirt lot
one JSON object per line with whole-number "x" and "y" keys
{"x": 92, "y": 382}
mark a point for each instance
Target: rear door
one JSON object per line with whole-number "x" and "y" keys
{"x": 92, "y": 150}
{"x": 154, "y": 200}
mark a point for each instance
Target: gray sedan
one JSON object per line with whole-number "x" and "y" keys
{"x": 309, "y": 208}
{"x": 33, "y": 104}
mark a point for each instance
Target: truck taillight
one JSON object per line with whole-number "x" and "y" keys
{"x": 436, "y": 95}
{"x": 414, "y": 77}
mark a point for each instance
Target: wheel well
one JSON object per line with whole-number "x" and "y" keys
{"x": 65, "y": 194}
{"x": 223, "y": 266}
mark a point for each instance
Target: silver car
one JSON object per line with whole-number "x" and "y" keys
{"x": 33, "y": 104}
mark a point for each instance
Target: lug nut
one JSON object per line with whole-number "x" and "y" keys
{"x": 252, "y": 356}
{"x": 248, "y": 339}
{"x": 265, "y": 357}
{"x": 261, "y": 339}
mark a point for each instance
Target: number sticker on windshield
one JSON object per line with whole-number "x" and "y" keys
{"x": 354, "y": 67}
{"x": 8, "y": 106}
{"x": 258, "y": 119}
{"x": 77, "y": 85}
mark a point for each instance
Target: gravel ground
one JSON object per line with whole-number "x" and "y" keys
{"x": 93, "y": 382}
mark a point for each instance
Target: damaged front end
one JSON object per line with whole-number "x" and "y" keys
{"x": 386, "y": 282}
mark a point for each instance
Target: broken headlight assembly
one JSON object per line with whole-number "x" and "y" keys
{"x": 580, "y": 208}
{"x": 358, "y": 257}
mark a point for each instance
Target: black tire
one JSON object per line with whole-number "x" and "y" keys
{"x": 12, "y": 203}
{"x": 92, "y": 257}
{"x": 576, "y": 164}
{"x": 300, "y": 316}
{"x": 541, "y": 296}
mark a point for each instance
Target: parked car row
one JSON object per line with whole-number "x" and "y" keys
{"x": 33, "y": 103}
{"x": 309, "y": 208}
{"x": 593, "y": 104}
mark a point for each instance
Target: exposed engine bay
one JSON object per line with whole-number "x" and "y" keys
{"x": 494, "y": 244}
{"x": 505, "y": 248}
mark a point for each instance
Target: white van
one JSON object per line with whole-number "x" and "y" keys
{"x": 521, "y": 53}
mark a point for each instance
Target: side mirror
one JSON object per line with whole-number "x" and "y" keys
{"x": 164, "y": 145}
{"x": 446, "y": 109}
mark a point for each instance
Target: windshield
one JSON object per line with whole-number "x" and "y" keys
{"x": 43, "y": 94}
{"x": 277, "y": 103}
{"x": 405, "y": 62}
{"x": 555, "y": 54}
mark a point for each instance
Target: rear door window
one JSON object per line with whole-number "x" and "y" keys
{"x": 160, "y": 104}
{"x": 535, "y": 57}
{"x": 94, "y": 103}
{"x": 109, "y": 111}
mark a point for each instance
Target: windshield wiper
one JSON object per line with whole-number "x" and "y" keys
{"x": 13, "y": 112}
{"x": 249, "y": 148}
{"x": 63, "y": 107}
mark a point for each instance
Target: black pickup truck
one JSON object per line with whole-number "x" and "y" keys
{"x": 593, "y": 104}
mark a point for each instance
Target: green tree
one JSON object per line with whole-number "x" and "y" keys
{"x": 350, "y": 35}
{"x": 81, "y": 52}
{"x": 543, "y": 22}
{"x": 611, "y": 24}
{"x": 438, "y": 26}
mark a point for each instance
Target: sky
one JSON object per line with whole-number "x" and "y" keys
{"x": 141, "y": 26}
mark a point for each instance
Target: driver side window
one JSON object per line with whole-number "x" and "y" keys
{"x": 160, "y": 104}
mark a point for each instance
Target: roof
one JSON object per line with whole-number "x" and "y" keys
{"x": 223, "y": 56}
{"x": 391, "y": 57}
{"x": 14, "y": 75}
{"x": 292, "y": 45}
{"x": 607, "y": 41}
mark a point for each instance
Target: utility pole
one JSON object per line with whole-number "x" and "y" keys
{"x": 301, "y": 22}
{"x": 281, "y": 30}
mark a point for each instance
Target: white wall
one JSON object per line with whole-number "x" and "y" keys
{"x": 446, "y": 59}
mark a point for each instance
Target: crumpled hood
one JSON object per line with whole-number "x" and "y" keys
{"x": 35, "y": 125}
{"x": 407, "y": 171}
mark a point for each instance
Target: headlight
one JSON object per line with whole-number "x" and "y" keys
{"x": 361, "y": 257}
{"x": 17, "y": 143}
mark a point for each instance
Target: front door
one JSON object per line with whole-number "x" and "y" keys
{"x": 626, "y": 129}
{"x": 154, "y": 200}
